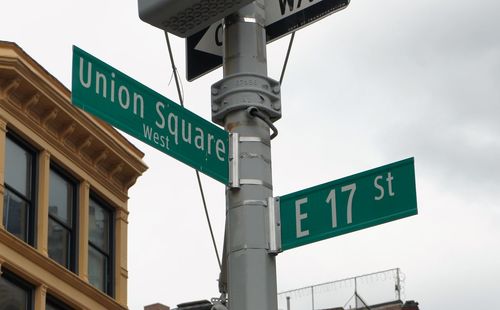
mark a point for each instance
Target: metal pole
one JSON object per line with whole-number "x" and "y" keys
{"x": 356, "y": 292}
{"x": 251, "y": 270}
{"x": 312, "y": 296}
{"x": 287, "y": 302}
{"x": 398, "y": 285}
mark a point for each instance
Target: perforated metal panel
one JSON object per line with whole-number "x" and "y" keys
{"x": 185, "y": 17}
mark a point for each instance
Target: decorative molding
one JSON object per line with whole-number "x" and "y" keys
{"x": 115, "y": 170}
{"x": 102, "y": 156}
{"x": 66, "y": 132}
{"x": 13, "y": 85}
{"x": 122, "y": 215}
{"x": 130, "y": 182}
{"x": 85, "y": 144}
{"x": 124, "y": 272}
{"x": 34, "y": 100}
{"x": 3, "y": 124}
{"x": 50, "y": 116}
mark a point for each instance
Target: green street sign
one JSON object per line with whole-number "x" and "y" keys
{"x": 356, "y": 202}
{"x": 148, "y": 116}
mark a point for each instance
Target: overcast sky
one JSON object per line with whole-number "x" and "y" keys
{"x": 375, "y": 83}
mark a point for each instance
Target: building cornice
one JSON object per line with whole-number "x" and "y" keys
{"x": 43, "y": 104}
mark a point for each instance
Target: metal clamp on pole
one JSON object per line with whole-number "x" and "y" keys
{"x": 273, "y": 207}
{"x": 240, "y": 91}
{"x": 234, "y": 160}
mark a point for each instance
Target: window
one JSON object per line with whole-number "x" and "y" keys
{"x": 62, "y": 219}
{"x": 15, "y": 294}
{"x": 19, "y": 194}
{"x": 54, "y": 304}
{"x": 100, "y": 245}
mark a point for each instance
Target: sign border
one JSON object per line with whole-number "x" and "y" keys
{"x": 360, "y": 226}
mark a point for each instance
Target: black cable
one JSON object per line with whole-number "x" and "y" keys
{"x": 181, "y": 99}
{"x": 287, "y": 56}
{"x": 255, "y": 112}
{"x": 208, "y": 217}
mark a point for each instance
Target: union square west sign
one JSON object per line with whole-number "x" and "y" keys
{"x": 148, "y": 116}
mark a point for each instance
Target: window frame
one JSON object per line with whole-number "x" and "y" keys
{"x": 73, "y": 250}
{"x": 110, "y": 283}
{"x": 32, "y": 201}
{"x": 21, "y": 283}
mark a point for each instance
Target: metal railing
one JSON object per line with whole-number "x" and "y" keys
{"x": 351, "y": 293}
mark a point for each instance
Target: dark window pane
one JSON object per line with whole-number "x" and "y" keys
{"x": 50, "y": 306}
{"x": 18, "y": 168}
{"x": 59, "y": 243}
{"x": 99, "y": 219}
{"x": 60, "y": 198}
{"x": 13, "y": 297}
{"x": 61, "y": 212}
{"x": 15, "y": 214}
{"x": 98, "y": 269}
{"x": 54, "y": 304}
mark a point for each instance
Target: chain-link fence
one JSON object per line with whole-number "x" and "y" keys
{"x": 351, "y": 293}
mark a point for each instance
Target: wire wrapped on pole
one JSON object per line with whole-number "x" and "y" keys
{"x": 255, "y": 112}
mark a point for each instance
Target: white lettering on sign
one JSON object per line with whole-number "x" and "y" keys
{"x": 380, "y": 188}
{"x": 151, "y": 135}
{"x": 213, "y": 39}
{"x": 299, "y": 217}
{"x": 220, "y": 149}
{"x": 168, "y": 129}
{"x": 105, "y": 84}
{"x": 279, "y": 9}
{"x": 185, "y": 128}
{"x": 333, "y": 205}
{"x": 351, "y": 188}
{"x": 332, "y": 200}
{"x": 291, "y": 5}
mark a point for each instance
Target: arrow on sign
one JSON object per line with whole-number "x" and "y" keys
{"x": 212, "y": 40}
{"x": 204, "y": 49}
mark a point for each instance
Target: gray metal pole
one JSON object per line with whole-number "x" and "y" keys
{"x": 356, "y": 292}
{"x": 312, "y": 297}
{"x": 287, "y": 302}
{"x": 398, "y": 285}
{"x": 251, "y": 270}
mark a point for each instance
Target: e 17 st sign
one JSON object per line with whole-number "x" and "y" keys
{"x": 356, "y": 202}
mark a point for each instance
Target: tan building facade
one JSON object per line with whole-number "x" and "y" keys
{"x": 64, "y": 179}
